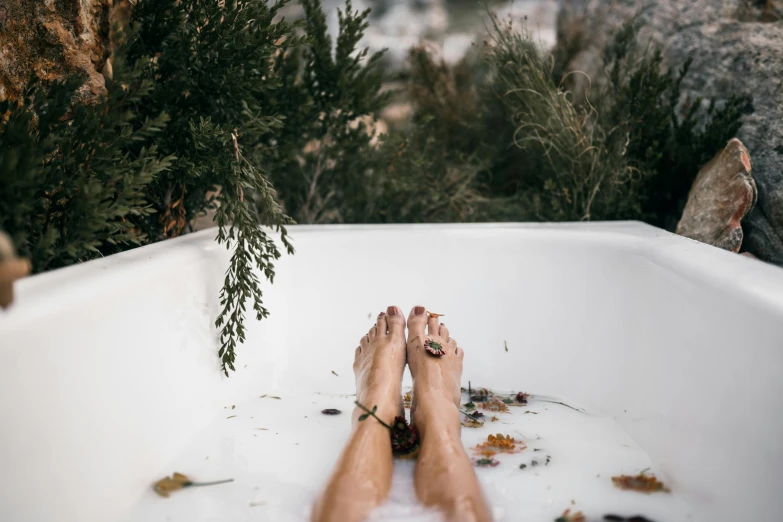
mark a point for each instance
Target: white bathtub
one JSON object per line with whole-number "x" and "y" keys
{"x": 109, "y": 368}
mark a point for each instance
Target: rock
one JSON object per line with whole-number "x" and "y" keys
{"x": 722, "y": 194}
{"x": 736, "y": 48}
{"x": 53, "y": 39}
{"x": 11, "y": 269}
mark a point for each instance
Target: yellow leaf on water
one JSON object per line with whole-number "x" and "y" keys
{"x": 168, "y": 484}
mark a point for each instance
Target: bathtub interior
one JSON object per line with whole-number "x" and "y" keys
{"x": 677, "y": 343}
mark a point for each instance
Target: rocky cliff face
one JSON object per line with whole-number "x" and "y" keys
{"x": 737, "y": 47}
{"x": 52, "y": 38}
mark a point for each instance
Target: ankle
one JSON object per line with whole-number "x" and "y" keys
{"x": 438, "y": 414}
{"x": 385, "y": 411}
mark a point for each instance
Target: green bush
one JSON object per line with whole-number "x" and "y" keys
{"x": 629, "y": 152}
{"x": 323, "y": 159}
{"x": 74, "y": 176}
{"x": 206, "y": 103}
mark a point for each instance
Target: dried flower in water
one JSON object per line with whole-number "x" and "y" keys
{"x": 331, "y": 411}
{"x": 407, "y": 399}
{"x": 178, "y": 481}
{"x": 480, "y": 395}
{"x": 522, "y": 397}
{"x": 642, "y": 483}
{"x": 567, "y": 516}
{"x": 404, "y": 437}
{"x": 494, "y": 405}
{"x": 501, "y": 443}
{"x": 494, "y": 419}
{"x": 433, "y": 314}
{"x": 434, "y": 348}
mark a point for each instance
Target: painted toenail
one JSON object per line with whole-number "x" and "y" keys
{"x": 381, "y": 315}
{"x": 418, "y": 310}
{"x": 391, "y": 311}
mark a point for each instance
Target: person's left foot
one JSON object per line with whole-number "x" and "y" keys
{"x": 378, "y": 366}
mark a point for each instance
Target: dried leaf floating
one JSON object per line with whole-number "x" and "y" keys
{"x": 642, "y": 483}
{"x": 567, "y": 516}
{"x": 522, "y": 397}
{"x": 618, "y": 518}
{"x": 331, "y": 411}
{"x": 472, "y": 420}
{"x": 178, "y": 481}
{"x": 486, "y": 462}
{"x": 404, "y": 437}
{"x": 433, "y": 314}
{"x": 434, "y": 348}
{"x": 407, "y": 399}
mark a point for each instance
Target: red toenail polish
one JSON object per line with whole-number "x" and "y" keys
{"x": 380, "y": 315}
{"x": 418, "y": 310}
{"x": 391, "y": 310}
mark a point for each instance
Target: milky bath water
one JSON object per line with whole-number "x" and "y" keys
{"x": 279, "y": 449}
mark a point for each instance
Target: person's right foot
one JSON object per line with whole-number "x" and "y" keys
{"x": 436, "y": 380}
{"x": 444, "y": 476}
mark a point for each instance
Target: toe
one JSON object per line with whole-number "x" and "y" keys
{"x": 416, "y": 321}
{"x": 443, "y": 331}
{"x": 380, "y": 324}
{"x": 395, "y": 322}
{"x": 365, "y": 342}
{"x": 432, "y": 325}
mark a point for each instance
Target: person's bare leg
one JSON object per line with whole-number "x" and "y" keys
{"x": 362, "y": 477}
{"x": 444, "y": 476}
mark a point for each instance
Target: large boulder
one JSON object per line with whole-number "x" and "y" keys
{"x": 52, "y": 39}
{"x": 737, "y": 47}
{"x": 722, "y": 194}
